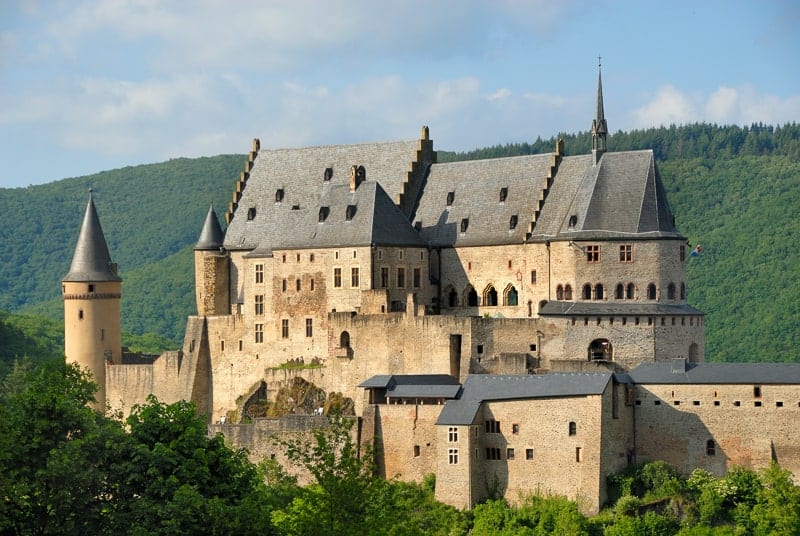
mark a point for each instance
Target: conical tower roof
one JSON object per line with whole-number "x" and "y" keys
{"x": 211, "y": 237}
{"x": 91, "y": 260}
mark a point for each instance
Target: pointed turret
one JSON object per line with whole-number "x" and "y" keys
{"x": 211, "y": 237}
{"x": 211, "y": 268}
{"x": 599, "y": 126}
{"x": 92, "y": 291}
{"x": 91, "y": 260}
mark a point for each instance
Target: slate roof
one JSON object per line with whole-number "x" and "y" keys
{"x": 91, "y": 261}
{"x": 682, "y": 372}
{"x": 299, "y": 174}
{"x": 621, "y": 307}
{"x": 211, "y": 237}
{"x": 480, "y": 388}
{"x": 476, "y": 186}
{"x": 621, "y": 197}
{"x": 414, "y": 385}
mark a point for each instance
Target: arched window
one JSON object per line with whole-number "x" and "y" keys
{"x": 600, "y": 350}
{"x": 573, "y": 428}
{"x": 568, "y": 292}
{"x": 683, "y": 291}
{"x": 587, "y": 291}
{"x": 452, "y": 298}
{"x": 694, "y": 353}
{"x": 631, "y": 291}
{"x": 490, "y": 296}
{"x": 344, "y": 340}
{"x": 598, "y": 291}
{"x": 619, "y": 292}
{"x": 472, "y": 297}
{"x": 511, "y": 297}
{"x": 671, "y": 291}
{"x": 651, "y": 291}
{"x": 559, "y": 292}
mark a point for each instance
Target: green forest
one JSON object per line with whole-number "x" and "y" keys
{"x": 734, "y": 190}
{"x": 66, "y": 469}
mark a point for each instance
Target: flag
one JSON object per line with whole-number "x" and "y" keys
{"x": 696, "y": 251}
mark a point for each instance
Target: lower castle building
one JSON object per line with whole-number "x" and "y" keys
{"x": 510, "y": 324}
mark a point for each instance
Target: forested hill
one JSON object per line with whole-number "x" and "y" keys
{"x": 734, "y": 190}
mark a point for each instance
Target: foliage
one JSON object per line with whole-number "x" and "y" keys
{"x": 536, "y": 515}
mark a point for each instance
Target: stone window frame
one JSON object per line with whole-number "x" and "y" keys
{"x": 671, "y": 291}
{"x": 401, "y": 277}
{"x": 593, "y": 253}
{"x": 337, "y": 277}
{"x": 284, "y": 328}
{"x": 492, "y": 426}
{"x": 309, "y": 327}
{"x": 259, "y": 304}
{"x": 355, "y": 279}
{"x": 452, "y": 456}
{"x": 384, "y": 277}
{"x": 259, "y": 273}
{"x": 416, "y": 277}
{"x": 529, "y": 454}
{"x": 711, "y": 448}
{"x": 259, "y": 333}
{"x": 626, "y": 253}
{"x": 652, "y": 291}
{"x": 490, "y": 296}
{"x": 510, "y": 453}
{"x": 572, "y": 428}
{"x": 452, "y": 434}
{"x": 494, "y": 453}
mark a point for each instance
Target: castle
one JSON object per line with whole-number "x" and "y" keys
{"x": 512, "y": 325}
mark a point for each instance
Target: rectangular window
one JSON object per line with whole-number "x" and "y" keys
{"x": 683, "y": 253}
{"x": 416, "y": 451}
{"x": 417, "y": 277}
{"x": 285, "y": 328}
{"x": 509, "y": 454}
{"x": 297, "y": 284}
{"x": 259, "y": 273}
{"x": 337, "y": 277}
{"x": 528, "y": 454}
{"x": 259, "y": 304}
{"x": 259, "y": 332}
{"x": 221, "y": 346}
{"x": 354, "y": 277}
{"x": 401, "y": 278}
{"x": 492, "y": 426}
{"x": 593, "y": 253}
{"x": 452, "y": 456}
{"x": 626, "y": 253}
{"x": 309, "y": 327}
{"x": 384, "y": 277}
{"x": 452, "y": 434}
{"x": 578, "y": 454}
{"x": 515, "y": 428}
{"x": 492, "y": 453}
{"x": 533, "y": 276}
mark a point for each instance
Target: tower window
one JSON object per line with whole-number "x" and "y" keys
{"x": 80, "y": 314}
{"x": 91, "y": 288}
{"x": 285, "y": 328}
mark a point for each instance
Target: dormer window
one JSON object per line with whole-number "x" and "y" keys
{"x": 251, "y": 213}
{"x": 450, "y": 197}
{"x": 295, "y": 207}
{"x": 503, "y": 194}
{"x": 323, "y": 213}
{"x": 328, "y": 174}
{"x": 512, "y": 223}
{"x": 279, "y": 195}
{"x": 350, "y": 212}
{"x": 464, "y": 225}
{"x": 573, "y": 220}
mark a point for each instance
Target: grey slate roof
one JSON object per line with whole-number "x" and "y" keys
{"x": 211, "y": 236}
{"x": 414, "y": 385}
{"x": 299, "y": 173}
{"x": 476, "y": 186}
{"x": 682, "y": 372}
{"x": 91, "y": 261}
{"x": 621, "y": 307}
{"x": 621, "y": 197}
{"x": 480, "y": 388}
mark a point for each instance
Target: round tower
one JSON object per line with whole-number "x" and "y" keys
{"x": 92, "y": 291}
{"x": 211, "y": 269}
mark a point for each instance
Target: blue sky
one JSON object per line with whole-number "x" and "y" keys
{"x": 91, "y": 86}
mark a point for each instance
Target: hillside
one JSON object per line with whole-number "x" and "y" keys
{"x": 735, "y": 191}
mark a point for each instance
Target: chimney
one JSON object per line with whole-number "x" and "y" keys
{"x": 357, "y": 175}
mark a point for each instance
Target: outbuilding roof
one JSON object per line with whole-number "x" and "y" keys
{"x": 621, "y": 308}
{"x": 479, "y": 388}
{"x": 414, "y": 385}
{"x": 679, "y": 371}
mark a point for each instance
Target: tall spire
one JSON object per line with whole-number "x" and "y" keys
{"x": 599, "y": 126}
{"x": 91, "y": 260}
{"x": 211, "y": 236}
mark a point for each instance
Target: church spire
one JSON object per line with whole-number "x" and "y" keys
{"x": 91, "y": 260}
{"x": 599, "y": 126}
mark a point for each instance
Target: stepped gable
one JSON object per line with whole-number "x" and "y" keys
{"x": 91, "y": 261}
{"x": 299, "y": 176}
{"x": 364, "y": 217}
{"x": 620, "y": 197}
{"x": 211, "y": 237}
{"x": 681, "y": 371}
{"x": 480, "y": 388}
{"x": 476, "y": 186}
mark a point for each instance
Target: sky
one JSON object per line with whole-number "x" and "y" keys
{"x": 104, "y": 84}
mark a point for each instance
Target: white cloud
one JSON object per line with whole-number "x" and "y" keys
{"x": 669, "y": 106}
{"x": 500, "y": 94}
